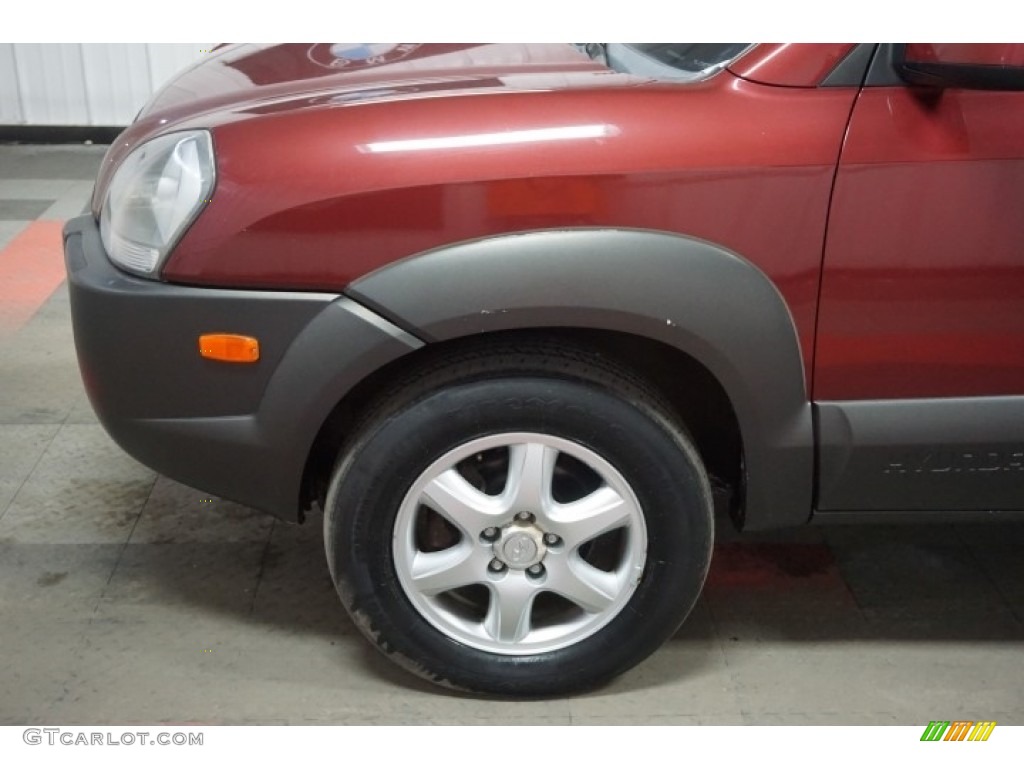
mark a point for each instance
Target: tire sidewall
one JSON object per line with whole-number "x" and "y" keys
{"x": 657, "y": 461}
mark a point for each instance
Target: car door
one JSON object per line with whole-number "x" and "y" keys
{"x": 919, "y": 366}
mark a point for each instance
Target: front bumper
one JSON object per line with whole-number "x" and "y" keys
{"x": 239, "y": 431}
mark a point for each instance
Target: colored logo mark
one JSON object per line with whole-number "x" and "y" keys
{"x": 958, "y": 730}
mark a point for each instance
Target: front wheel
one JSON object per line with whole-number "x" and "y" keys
{"x": 519, "y": 527}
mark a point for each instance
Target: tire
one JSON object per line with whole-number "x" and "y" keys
{"x": 520, "y": 521}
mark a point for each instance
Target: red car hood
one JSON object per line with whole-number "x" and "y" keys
{"x": 241, "y": 82}
{"x": 246, "y": 76}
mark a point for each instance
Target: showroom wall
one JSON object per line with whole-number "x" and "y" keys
{"x": 85, "y": 84}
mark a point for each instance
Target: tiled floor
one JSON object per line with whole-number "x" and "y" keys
{"x": 126, "y": 598}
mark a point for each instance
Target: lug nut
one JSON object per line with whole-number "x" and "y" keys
{"x": 524, "y": 516}
{"x": 496, "y": 565}
{"x": 490, "y": 534}
{"x": 535, "y": 570}
{"x": 552, "y": 539}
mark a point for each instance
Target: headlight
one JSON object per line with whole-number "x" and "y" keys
{"x": 155, "y": 194}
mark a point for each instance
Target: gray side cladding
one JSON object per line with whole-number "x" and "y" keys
{"x": 925, "y": 455}
{"x": 695, "y": 296}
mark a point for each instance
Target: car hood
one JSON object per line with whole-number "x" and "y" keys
{"x": 258, "y": 77}
{"x": 242, "y": 82}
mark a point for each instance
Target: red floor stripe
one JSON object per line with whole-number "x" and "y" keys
{"x": 750, "y": 564}
{"x": 31, "y": 268}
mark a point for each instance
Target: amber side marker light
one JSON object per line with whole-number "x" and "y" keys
{"x": 229, "y": 348}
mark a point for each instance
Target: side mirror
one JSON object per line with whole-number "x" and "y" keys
{"x": 977, "y": 66}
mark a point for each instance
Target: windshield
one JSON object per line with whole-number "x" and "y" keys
{"x": 666, "y": 61}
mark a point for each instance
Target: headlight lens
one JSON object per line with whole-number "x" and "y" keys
{"x": 155, "y": 194}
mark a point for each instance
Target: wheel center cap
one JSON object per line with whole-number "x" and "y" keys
{"x": 520, "y": 546}
{"x": 519, "y": 549}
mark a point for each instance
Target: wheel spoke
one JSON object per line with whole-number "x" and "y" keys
{"x": 451, "y": 496}
{"x": 530, "y": 468}
{"x": 508, "y": 617}
{"x": 482, "y": 590}
{"x": 578, "y": 581}
{"x": 436, "y": 572}
{"x": 599, "y": 512}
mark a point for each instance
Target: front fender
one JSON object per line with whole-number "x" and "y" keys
{"x": 690, "y": 294}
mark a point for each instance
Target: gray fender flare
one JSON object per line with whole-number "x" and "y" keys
{"x": 690, "y": 294}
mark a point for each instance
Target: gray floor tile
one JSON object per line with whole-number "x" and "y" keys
{"x": 628, "y": 718}
{"x": 23, "y": 200}
{"x": 50, "y": 162}
{"x": 204, "y": 671}
{"x": 32, "y": 189}
{"x": 86, "y": 450}
{"x": 1006, "y": 570}
{"x": 41, "y": 382}
{"x": 21, "y": 447}
{"x": 997, "y": 550}
{"x": 901, "y": 578}
{"x": 58, "y": 580}
{"x": 41, "y": 389}
{"x": 37, "y": 664}
{"x": 683, "y": 682}
{"x": 699, "y": 627}
{"x": 906, "y": 682}
{"x": 75, "y": 510}
{"x": 9, "y": 230}
{"x": 962, "y": 680}
{"x": 207, "y": 578}
{"x": 81, "y": 411}
{"x": 823, "y": 718}
{"x": 153, "y": 671}
{"x": 844, "y": 537}
{"x": 826, "y": 680}
{"x": 177, "y": 514}
{"x": 23, "y": 210}
{"x": 84, "y": 489}
{"x": 775, "y": 590}
{"x": 1002, "y": 536}
{"x": 73, "y": 203}
{"x": 294, "y": 565}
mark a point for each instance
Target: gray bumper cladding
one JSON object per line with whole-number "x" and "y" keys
{"x": 242, "y": 432}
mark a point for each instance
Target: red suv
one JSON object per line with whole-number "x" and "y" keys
{"x": 516, "y": 317}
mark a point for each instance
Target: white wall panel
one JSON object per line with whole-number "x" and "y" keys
{"x": 166, "y": 60}
{"x": 91, "y": 84}
{"x": 218, "y": 79}
{"x": 117, "y": 81}
{"x": 10, "y": 100}
{"x": 52, "y": 84}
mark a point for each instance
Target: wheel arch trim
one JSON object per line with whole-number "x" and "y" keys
{"x": 695, "y": 296}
